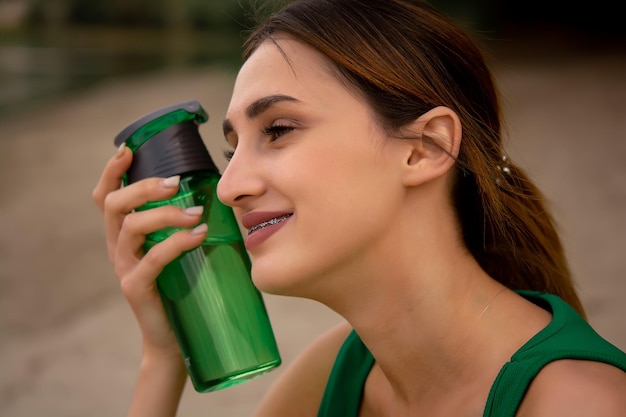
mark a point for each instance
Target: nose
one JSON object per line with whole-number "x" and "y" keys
{"x": 240, "y": 181}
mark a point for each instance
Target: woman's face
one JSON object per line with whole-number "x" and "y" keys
{"x": 313, "y": 179}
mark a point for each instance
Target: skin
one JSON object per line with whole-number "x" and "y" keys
{"x": 372, "y": 226}
{"x": 333, "y": 141}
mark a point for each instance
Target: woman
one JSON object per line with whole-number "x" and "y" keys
{"x": 370, "y": 130}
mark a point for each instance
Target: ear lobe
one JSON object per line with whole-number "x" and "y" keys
{"x": 435, "y": 153}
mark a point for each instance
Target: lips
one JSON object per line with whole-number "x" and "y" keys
{"x": 262, "y": 225}
{"x": 268, "y": 223}
{"x": 258, "y": 220}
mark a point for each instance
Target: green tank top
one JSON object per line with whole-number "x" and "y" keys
{"x": 568, "y": 336}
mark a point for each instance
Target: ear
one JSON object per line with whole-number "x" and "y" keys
{"x": 435, "y": 152}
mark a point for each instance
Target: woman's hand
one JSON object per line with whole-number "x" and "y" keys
{"x": 126, "y": 230}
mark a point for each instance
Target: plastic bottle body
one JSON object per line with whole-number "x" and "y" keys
{"x": 217, "y": 314}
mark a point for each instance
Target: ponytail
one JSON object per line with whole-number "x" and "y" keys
{"x": 509, "y": 231}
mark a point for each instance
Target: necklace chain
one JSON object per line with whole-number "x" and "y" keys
{"x": 469, "y": 331}
{"x": 482, "y": 313}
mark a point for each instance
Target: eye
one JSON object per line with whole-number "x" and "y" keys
{"x": 228, "y": 154}
{"x": 276, "y": 130}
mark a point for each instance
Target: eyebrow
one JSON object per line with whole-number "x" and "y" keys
{"x": 258, "y": 107}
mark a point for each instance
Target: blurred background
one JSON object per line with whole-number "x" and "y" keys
{"x": 73, "y": 73}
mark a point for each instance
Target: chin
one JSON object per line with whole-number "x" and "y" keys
{"x": 271, "y": 284}
{"x": 279, "y": 282}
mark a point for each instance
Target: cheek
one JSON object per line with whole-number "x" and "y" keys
{"x": 339, "y": 180}
{"x": 346, "y": 204}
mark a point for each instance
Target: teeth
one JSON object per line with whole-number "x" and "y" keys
{"x": 268, "y": 223}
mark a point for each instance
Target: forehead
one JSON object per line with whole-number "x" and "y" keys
{"x": 284, "y": 66}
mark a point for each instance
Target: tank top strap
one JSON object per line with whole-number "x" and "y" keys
{"x": 344, "y": 390}
{"x": 568, "y": 336}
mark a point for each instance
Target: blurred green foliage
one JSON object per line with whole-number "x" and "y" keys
{"x": 237, "y": 15}
{"x": 218, "y": 16}
{"x": 154, "y": 32}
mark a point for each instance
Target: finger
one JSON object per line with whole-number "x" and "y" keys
{"x": 111, "y": 177}
{"x": 137, "y": 194}
{"x": 119, "y": 203}
{"x": 141, "y": 281}
{"x": 137, "y": 225}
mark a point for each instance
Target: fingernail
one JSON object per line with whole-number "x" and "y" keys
{"x": 194, "y": 211}
{"x": 200, "y": 229}
{"x": 120, "y": 150}
{"x": 171, "y": 182}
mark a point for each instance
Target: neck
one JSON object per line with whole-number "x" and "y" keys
{"x": 438, "y": 326}
{"x": 428, "y": 327}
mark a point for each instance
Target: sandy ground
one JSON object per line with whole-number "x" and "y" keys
{"x": 70, "y": 346}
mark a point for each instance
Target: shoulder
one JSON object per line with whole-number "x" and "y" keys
{"x": 576, "y": 388}
{"x": 299, "y": 390}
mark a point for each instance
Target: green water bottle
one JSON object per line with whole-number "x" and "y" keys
{"x": 216, "y": 312}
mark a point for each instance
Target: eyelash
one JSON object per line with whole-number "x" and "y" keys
{"x": 228, "y": 155}
{"x": 274, "y": 131}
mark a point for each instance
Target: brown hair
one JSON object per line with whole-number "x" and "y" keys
{"x": 405, "y": 58}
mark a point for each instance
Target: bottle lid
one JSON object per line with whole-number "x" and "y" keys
{"x": 166, "y": 142}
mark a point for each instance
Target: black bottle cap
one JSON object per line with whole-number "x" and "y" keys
{"x": 176, "y": 150}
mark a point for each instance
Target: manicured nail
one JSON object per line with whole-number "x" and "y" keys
{"x": 171, "y": 182}
{"x": 120, "y": 150}
{"x": 200, "y": 229}
{"x": 194, "y": 211}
